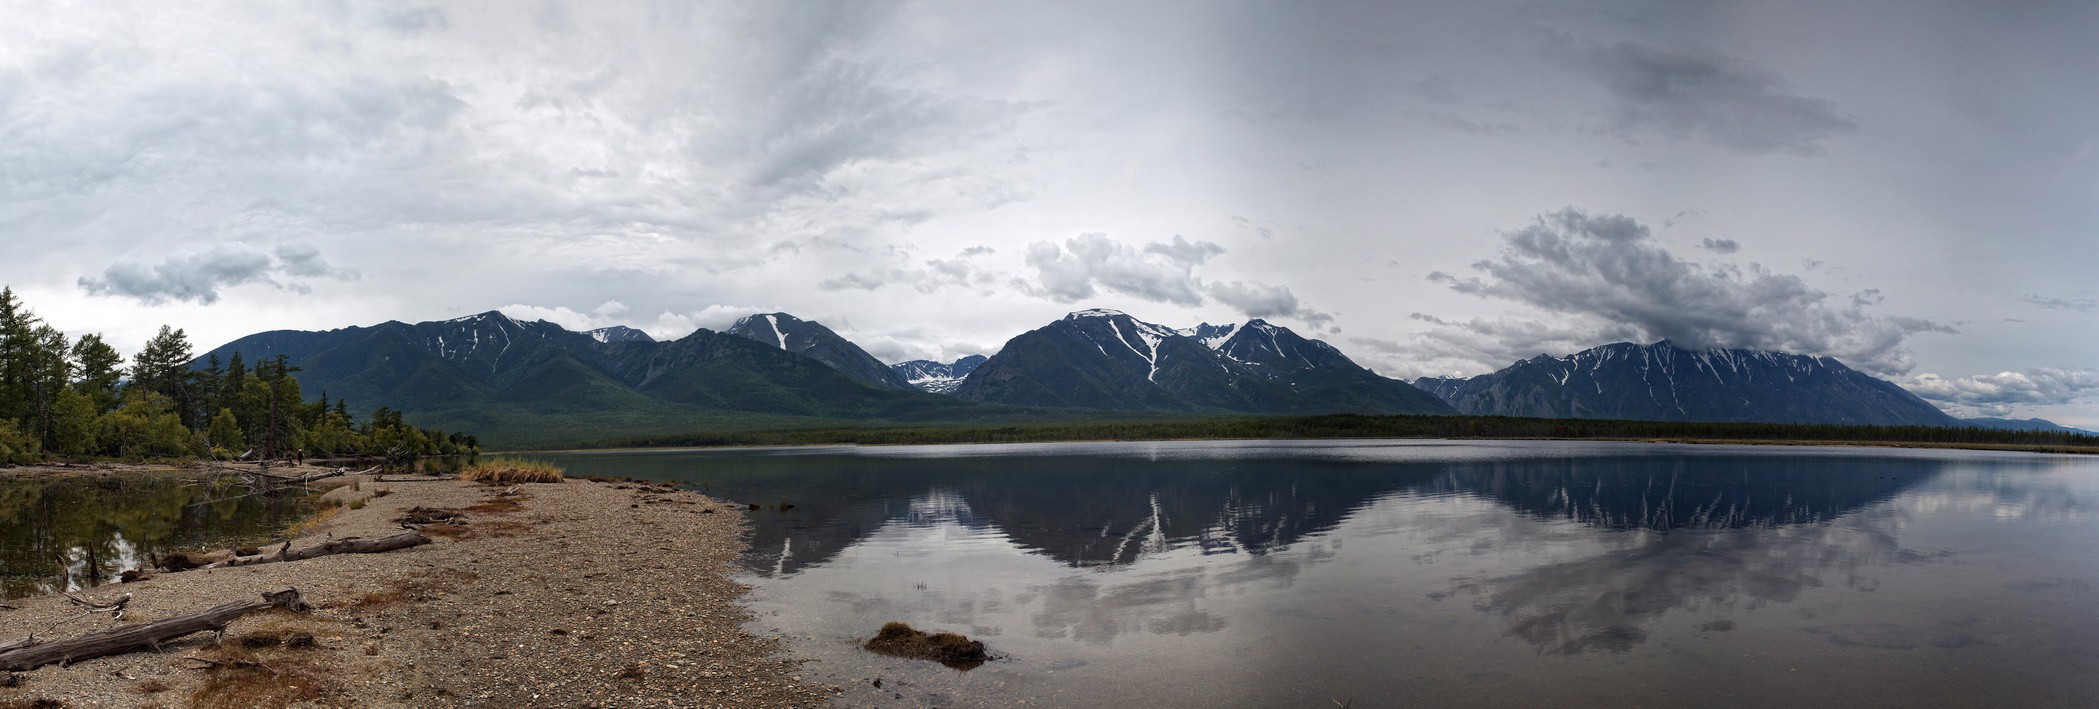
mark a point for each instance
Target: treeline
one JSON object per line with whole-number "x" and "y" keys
{"x": 71, "y": 398}
{"x": 1360, "y": 426}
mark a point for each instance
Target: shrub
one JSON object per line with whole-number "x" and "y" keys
{"x": 512, "y": 471}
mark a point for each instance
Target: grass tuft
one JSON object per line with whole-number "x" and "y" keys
{"x": 512, "y": 471}
{"x": 901, "y": 640}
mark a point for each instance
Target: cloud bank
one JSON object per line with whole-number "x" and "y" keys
{"x": 1699, "y": 94}
{"x": 1998, "y": 394}
{"x": 1607, "y": 274}
{"x": 198, "y": 276}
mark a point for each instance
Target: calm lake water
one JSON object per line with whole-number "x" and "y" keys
{"x": 72, "y": 533}
{"x": 1424, "y": 573}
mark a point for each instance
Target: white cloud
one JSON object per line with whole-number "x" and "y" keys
{"x": 1999, "y": 394}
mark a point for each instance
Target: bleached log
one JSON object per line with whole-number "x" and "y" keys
{"x": 32, "y": 652}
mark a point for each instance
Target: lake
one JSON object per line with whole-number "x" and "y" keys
{"x": 77, "y": 532}
{"x": 1423, "y": 573}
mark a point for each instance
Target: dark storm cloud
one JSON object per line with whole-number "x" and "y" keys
{"x": 197, "y": 276}
{"x": 1699, "y": 94}
{"x": 1606, "y": 270}
{"x": 1997, "y": 394}
{"x": 1720, "y": 246}
{"x": 1498, "y": 343}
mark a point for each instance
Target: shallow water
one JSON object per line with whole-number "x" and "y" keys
{"x": 72, "y": 533}
{"x": 1424, "y": 573}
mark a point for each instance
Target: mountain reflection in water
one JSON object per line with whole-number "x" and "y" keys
{"x": 1264, "y": 574}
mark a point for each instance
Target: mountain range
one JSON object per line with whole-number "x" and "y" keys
{"x": 1666, "y": 382}
{"x": 1105, "y": 359}
{"x": 521, "y": 384}
{"x": 518, "y": 383}
{"x": 527, "y": 384}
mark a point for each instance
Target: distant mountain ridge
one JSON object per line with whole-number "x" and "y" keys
{"x": 812, "y": 339}
{"x": 2024, "y": 425}
{"x": 937, "y": 377}
{"x": 1666, "y": 382}
{"x": 1105, "y": 359}
{"x": 527, "y": 383}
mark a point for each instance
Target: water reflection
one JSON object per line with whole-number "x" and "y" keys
{"x": 70, "y": 533}
{"x": 1273, "y": 575}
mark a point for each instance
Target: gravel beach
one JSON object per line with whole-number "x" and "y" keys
{"x": 573, "y": 594}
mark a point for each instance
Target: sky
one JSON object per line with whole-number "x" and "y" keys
{"x": 1436, "y": 188}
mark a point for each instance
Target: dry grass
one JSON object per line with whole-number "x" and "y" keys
{"x": 259, "y": 674}
{"x": 417, "y": 587}
{"x": 38, "y": 703}
{"x": 512, "y": 471}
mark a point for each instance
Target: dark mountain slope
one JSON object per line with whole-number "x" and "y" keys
{"x": 812, "y": 339}
{"x": 1664, "y": 382}
{"x": 1108, "y": 360}
{"x": 523, "y": 384}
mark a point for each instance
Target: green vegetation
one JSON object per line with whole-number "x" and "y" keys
{"x": 74, "y": 398}
{"x": 512, "y": 471}
{"x": 1359, "y": 426}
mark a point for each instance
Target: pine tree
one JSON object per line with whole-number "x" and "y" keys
{"x": 162, "y": 367}
{"x": 100, "y": 368}
{"x": 50, "y": 371}
{"x": 229, "y": 393}
{"x": 17, "y": 331}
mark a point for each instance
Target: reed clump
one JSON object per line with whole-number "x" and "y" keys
{"x": 512, "y": 471}
{"x": 902, "y": 640}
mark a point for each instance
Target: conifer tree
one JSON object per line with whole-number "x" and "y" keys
{"x": 100, "y": 368}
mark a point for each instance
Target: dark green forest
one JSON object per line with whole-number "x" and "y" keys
{"x": 68, "y": 398}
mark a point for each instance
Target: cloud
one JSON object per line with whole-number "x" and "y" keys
{"x": 605, "y": 315}
{"x": 1605, "y": 272}
{"x": 1997, "y": 394}
{"x": 1085, "y": 265}
{"x": 935, "y": 275}
{"x": 1163, "y": 272}
{"x": 1699, "y": 94}
{"x": 1260, "y": 300}
{"x": 198, "y": 276}
{"x": 1720, "y": 246}
{"x": 2082, "y": 302}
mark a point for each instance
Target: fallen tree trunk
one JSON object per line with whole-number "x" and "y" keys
{"x": 351, "y": 545}
{"x": 32, "y": 653}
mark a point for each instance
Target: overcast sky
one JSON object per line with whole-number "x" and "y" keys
{"x": 1437, "y": 188}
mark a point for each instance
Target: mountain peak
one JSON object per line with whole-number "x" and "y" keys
{"x": 1095, "y": 313}
{"x": 811, "y": 339}
{"x": 619, "y": 333}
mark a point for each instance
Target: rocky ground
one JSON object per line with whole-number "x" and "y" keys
{"x": 575, "y": 594}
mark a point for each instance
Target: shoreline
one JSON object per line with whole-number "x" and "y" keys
{"x": 1998, "y": 447}
{"x": 607, "y": 594}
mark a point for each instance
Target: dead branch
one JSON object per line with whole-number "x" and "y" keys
{"x": 93, "y": 606}
{"x": 32, "y": 653}
{"x": 350, "y": 545}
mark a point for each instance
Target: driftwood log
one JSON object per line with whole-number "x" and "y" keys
{"x": 32, "y": 652}
{"x": 348, "y": 545}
